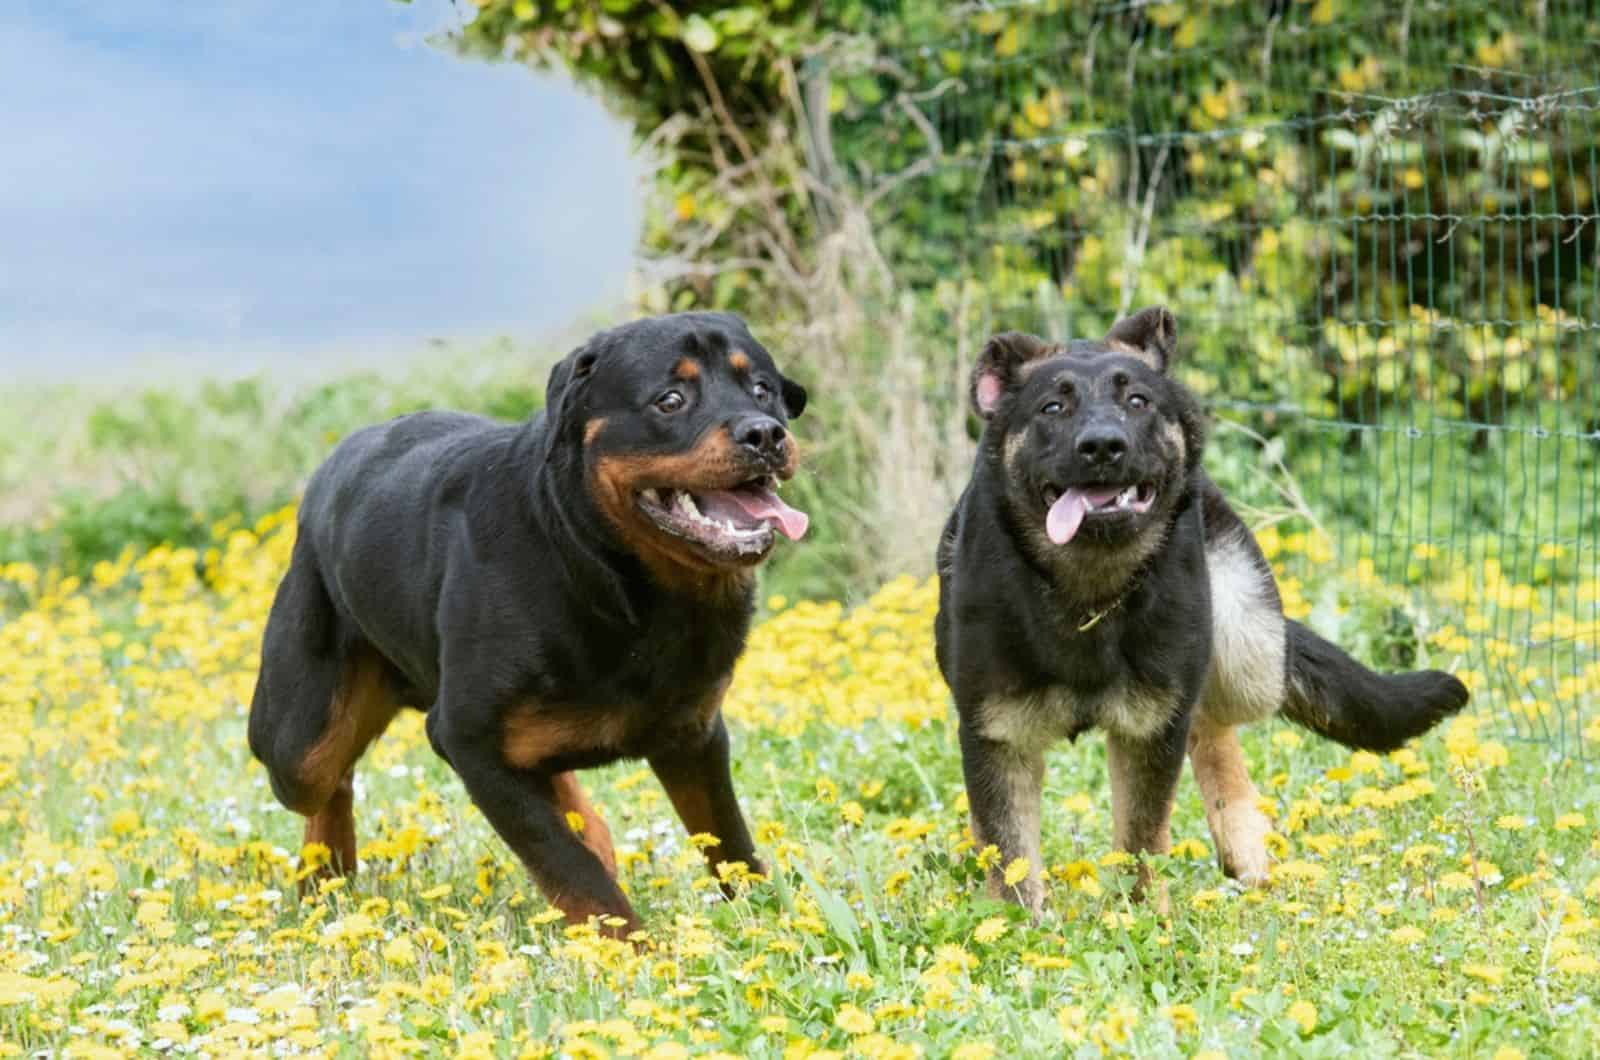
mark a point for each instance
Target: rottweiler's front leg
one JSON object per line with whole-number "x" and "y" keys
{"x": 698, "y": 778}
{"x": 1003, "y": 792}
{"x": 524, "y": 806}
{"x": 1144, "y": 779}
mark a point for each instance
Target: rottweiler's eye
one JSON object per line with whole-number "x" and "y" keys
{"x": 670, "y": 402}
{"x": 762, "y": 391}
{"x": 1051, "y": 408}
{"x": 1137, "y": 401}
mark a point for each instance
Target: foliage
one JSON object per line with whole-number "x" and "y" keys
{"x": 1272, "y": 172}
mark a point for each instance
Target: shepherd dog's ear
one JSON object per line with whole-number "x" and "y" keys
{"x": 999, "y": 368}
{"x": 1151, "y": 334}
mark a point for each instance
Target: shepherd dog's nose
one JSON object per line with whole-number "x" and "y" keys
{"x": 1102, "y": 444}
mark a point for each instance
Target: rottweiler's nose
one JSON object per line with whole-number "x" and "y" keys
{"x": 1103, "y": 443}
{"x": 762, "y": 434}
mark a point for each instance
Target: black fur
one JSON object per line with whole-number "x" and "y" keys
{"x": 1334, "y": 696}
{"x": 474, "y": 570}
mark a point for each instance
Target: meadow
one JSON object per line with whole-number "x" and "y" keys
{"x": 1443, "y": 899}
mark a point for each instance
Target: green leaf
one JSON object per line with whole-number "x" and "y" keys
{"x": 663, "y": 64}
{"x": 1343, "y": 139}
{"x": 867, "y": 90}
{"x": 700, "y": 35}
{"x": 835, "y": 910}
{"x": 737, "y": 20}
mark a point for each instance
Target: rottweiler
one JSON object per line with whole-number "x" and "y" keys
{"x": 555, "y": 595}
{"x": 1092, "y": 575}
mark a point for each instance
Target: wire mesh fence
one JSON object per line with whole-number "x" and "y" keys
{"x": 1378, "y": 225}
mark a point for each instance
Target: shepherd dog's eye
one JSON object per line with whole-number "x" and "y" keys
{"x": 670, "y": 402}
{"x": 762, "y": 391}
{"x": 1051, "y": 408}
{"x": 1137, "y": 401}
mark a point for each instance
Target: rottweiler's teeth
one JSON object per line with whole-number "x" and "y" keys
{"x": 1127, "y": 496}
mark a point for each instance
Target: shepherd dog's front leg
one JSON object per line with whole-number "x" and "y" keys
{"x": 1003, "y": 791}
{"x": 1144, "y": 780}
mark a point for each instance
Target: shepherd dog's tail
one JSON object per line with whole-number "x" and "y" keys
{"x": 1334, "y": 696}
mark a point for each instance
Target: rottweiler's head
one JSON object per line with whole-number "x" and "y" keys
{"x": 683, "y": 425}
{"x": 1093, "y": 439}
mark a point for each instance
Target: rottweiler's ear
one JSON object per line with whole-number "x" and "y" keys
{"x": 1151, "y": 333}
{"x": 565, "y": 377}
{"x": 794, "y": 398}
{"x": 999, "y": 368}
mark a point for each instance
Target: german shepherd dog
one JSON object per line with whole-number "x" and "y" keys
{"x": 1093, "y": 575}
{"x": 555, "y": 594}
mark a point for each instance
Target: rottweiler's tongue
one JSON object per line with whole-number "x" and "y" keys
{"x": 759, "y": 503}
{"x": 1067, "y": 513}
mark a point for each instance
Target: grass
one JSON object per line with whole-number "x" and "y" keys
{"x": 1444, "y": 899}
{"x": 159, "y": 463}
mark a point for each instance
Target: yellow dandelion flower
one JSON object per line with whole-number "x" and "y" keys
{"x": 852, "y": 1020}
{"x": 1304, "y": 1013}
{"x": 1578, "y": 964}
{"x": 990, "y": 929}
{"x": 1182, "y": 1017}
{"x": 400, "y": 952}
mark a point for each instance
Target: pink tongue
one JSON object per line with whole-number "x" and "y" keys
{"x": 762, "y": 504}
{"x": 1066, "y": 514}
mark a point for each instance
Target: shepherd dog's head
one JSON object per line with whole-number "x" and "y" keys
{"x": 682, "y": 426}
{"x": 1093, "y": 440}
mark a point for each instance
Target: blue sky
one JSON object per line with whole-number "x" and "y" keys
{"x": 271, "y": 182}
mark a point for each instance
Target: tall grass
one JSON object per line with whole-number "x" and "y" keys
{"x": 86, "y": 470}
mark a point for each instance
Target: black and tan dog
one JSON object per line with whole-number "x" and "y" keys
{"x": 555, "y": 594}
{"x": 1093, "y": 575}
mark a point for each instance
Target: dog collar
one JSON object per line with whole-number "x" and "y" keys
{"x": 1094, "y": 619}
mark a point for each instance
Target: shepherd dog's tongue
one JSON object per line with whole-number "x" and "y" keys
{"x": 742, "y": 505}
{"x": 1067, "y": 513}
